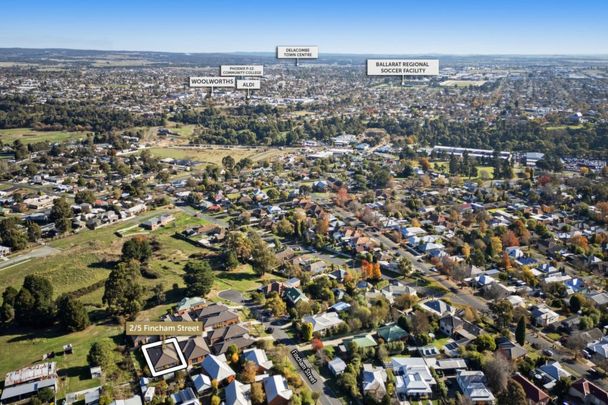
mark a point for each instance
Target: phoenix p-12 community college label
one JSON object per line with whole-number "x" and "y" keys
{"x": 212, "y": 82}
{"x": 402, "y": 67}
{"x": 297, "y": 52}
{"x": 242, "y": 70}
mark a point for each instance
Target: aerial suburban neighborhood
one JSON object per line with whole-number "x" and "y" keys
{"x": 328, "y": 236}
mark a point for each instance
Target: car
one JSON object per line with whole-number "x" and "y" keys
{"x": 548, "y": 352}
{"x": 269, "y": 329}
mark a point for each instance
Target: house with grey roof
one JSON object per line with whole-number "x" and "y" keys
{"x": 277, "y": 391}
{"x": 217, "y": 368}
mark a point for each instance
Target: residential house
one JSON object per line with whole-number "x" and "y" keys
{"x": 185, "y": 397}
{"x": 458, "y": 328}
{"x": 414, "y": 379}
{"x": 324, "y": 321}
{"x": 336, "y": 366}
{"x": 510, "y": 350}
{"x": 473, "y": 386}
{"x": 237, "y": 393}
{"x": 391, "y": 333}
{"x": 20, "y": 385}
{"x": 294, "y": 295}
{"x": 588, "y": 392}
{"x": 277, "y": 391}
{"x": 217, "y": 368}
{"x": 374, "y": 381}
{"x": 189, "y": 304}
{"x": 201, "y": 383}
{"x": 194, "y": 349}
{"x": 437, "y": 307}
{"x": 259, "y": 357}
{"x": 550, "y": 373}
{"x": 543, "y": 316}
{"x": 163, "y": 356}
{"x": 534, "y": 395}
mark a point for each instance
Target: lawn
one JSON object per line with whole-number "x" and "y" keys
{"x": 243, "y": 278}
{"x": 22, "y": 349}
{"x": 82, "y": 266}
{"x": 444, "y": 167}
{"x": 86, "y": 259}
{"x": 215, "y": 155}
{"x": 27, "y": 135}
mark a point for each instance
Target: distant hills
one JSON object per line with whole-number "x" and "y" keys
{"x": 100, "y": 58}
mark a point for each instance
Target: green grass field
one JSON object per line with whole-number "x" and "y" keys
{"x": 215, "y": 155}
{"x": 444, "y": 166}
{"x": 22, "y": 349}
{"x": 27, "y": 135}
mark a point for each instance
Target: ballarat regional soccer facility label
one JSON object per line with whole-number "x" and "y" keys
{"x": 402, "y": 67}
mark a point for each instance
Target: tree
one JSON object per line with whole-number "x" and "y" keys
{"x": 520, "y": 331}
{"x": 276, "y": 305}
{"x": 513, "y": 394}
{"x": 263, "y": 259}
{"x": 123, "y": 292}
{"x": 46, "y": 395}
{"x": 257, "y": 395}
{"x": 137, "y": 248}
{"x": 307, "y": 329}
{"x": 34, "y": 305}
{"x": 241, "y": 245}
{"x": 158, "y": 294}
{"x": 497, "y": 372}
{"x": 101, "y": 354}
{"x": 249, "y": 372}
{"x": 576, "y": 303}
{"x": 199, "y": 278}
{"x": 485, "y": 342}
{"x": 232, "y": 262}
{"x": 404, "y": 265}
{"x": 503, "y": 313}
{"x": 33, "y": 231}
{"x": 7, "y": 313}
{"x": 228, "y": 162}
{"x": 420, "y": 324}
{"x": 495, "y": 246}
{"x": 72, "y": 314}
{"x": 376, "y": 272}
{"x": 232, "y": 354}
{"x": 12, "y": 235}
{"x": 61, "y": 215}
{"x": 84, "y": 196}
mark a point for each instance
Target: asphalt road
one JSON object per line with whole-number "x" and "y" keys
{"x": 326, "y": 395}
{"x": 36, "y": 253}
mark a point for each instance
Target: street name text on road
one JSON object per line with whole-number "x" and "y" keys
{"x": 307, "y": 371}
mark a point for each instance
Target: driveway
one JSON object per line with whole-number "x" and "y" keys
{"x": 231, "y": 295}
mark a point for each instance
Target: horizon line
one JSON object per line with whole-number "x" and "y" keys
{"x": 330, "y": 53}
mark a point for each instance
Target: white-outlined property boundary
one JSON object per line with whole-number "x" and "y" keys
{"x": 173, "y": 341}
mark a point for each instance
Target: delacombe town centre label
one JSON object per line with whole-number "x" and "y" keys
{"x": 402, "y": 67}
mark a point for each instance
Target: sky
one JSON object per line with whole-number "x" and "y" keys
{"x": 336, "y": 26}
